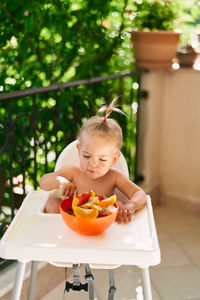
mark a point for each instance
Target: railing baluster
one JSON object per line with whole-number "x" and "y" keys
{"x": 56, "y": 124}
{"x": 34, "y": 142}
{"x": 10, "y": 136}
{"x": 23, "y": 173}
{"x": 46, "y": 161}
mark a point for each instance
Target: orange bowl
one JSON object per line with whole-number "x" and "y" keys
{"x": 85, "y": 226}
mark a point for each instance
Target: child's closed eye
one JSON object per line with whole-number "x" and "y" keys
{"x": 86, "y": 156}
{"x": 102, "y": 159}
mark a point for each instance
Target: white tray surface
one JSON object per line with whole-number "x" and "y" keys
{"x": 34, "y": 235}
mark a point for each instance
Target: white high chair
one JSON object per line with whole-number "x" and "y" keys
{"x": 36, "y": 236}
{"x": 69, "y": 157}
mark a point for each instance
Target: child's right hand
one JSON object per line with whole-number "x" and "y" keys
{"x": 125, "y": 212}
{"x": 67, "y": 187}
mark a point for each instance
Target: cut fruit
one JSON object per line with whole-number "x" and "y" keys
{"x": 92, "y": 193}
{"x": 103, "y": 211}
{"x": 106, "y": 202}
{"x": 96, "y": 206}
{"x": 90, "y": 202}
{"x": 85, "y": 213}
{"x": 83, "y": 198}
{"x": 91, "y": 206}
{"x": 111, "y": 209}
{"x": 75, "y": 203}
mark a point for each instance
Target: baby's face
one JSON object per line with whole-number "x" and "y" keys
{"x": 97, "y": 155}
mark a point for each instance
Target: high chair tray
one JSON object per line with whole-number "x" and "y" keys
{"x": 34, "y": 235}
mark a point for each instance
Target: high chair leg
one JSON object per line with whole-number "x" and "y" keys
{"x": 90, "y": 280}
{"x": 32, "y": 280}
{"x": 19, "y": 277}
{"x": 146, "y": 284}
{"x": 112, "y": 288}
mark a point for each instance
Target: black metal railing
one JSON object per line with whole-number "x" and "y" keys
{"x": 37, "y": 123}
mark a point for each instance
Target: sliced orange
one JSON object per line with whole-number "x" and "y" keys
{"x": 92, "y": 193}
{"x": 75, "y": 202}
{"x": 96, "y": 206}
{"x": 106, "y": 202}
{"x": 102, "y": 210}
{"x": 90, "y": 213}
{"x": 90, "y": 202}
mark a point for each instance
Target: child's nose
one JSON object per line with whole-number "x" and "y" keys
{"x": 93, "y": 162}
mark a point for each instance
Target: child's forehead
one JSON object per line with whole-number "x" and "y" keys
{"x": 91, "y": 137}
{"x": 97, "y": 143}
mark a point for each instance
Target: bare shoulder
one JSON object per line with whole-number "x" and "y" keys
{"x": 117, "y": 173}
{"x": 125, "y": 185}
{"x": 69, "y": 172}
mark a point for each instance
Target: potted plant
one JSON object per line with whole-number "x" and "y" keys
{"x": 188, "y": 49}
{"x": 187, "y": 56}
{"x": 154, "y": 39}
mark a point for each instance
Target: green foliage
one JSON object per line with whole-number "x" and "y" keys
{"x": 56, "y": 41}
{"x": 159, "y": 15}
{"x": 163, "y": 14}
{"x": 48, "y": 42}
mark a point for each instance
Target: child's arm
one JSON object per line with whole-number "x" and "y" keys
{"x": 54, "y": 181}
{"x": 49, "y": 182}
{"x": 137, "y": 198}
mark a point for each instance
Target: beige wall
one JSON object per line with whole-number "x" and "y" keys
{"x": 169, "y": 141}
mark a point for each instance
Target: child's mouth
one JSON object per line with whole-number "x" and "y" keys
{"x": 91, "y": 171}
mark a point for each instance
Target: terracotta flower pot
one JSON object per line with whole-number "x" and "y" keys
{"x": 154, "y": 49}
{"x": 187, "y": 59}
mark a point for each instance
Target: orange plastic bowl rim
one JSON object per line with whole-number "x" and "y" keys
{"x": 85, "y": 226}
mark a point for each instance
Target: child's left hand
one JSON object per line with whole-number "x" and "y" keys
{"x": 125, "y": 212}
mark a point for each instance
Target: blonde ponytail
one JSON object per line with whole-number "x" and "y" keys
{"x": 110, "y": 108}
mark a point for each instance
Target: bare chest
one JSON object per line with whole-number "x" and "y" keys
{"x": 101, "y": 186}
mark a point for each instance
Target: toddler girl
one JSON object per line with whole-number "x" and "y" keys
{"x": 100, "y": 139}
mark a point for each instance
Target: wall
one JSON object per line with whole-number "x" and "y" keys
{"x": 169, "y": 139}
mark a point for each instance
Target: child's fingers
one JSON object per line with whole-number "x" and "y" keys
{"x": 75, "y": 192}
{"x": 130, "y": 215}
{"x": 127, "y": 215}
{"x": 71, "y": 190}
{"x": 124, "y": 216}
{"x": 61, "y": 180}
{"x": 119, "y": 216}
{"x": 63, "y": 190}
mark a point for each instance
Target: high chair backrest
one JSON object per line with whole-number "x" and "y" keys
{"x": 69, "y": 156}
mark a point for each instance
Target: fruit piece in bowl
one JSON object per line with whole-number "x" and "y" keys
{"x": 89, "y": 214}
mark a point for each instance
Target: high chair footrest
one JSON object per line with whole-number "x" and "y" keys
{"x": 112, "y": 289}
{"x": 89, "y": 277}
{"x": 79, "y": 287}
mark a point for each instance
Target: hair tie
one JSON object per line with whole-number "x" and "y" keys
{"x": 105, "y": 118}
